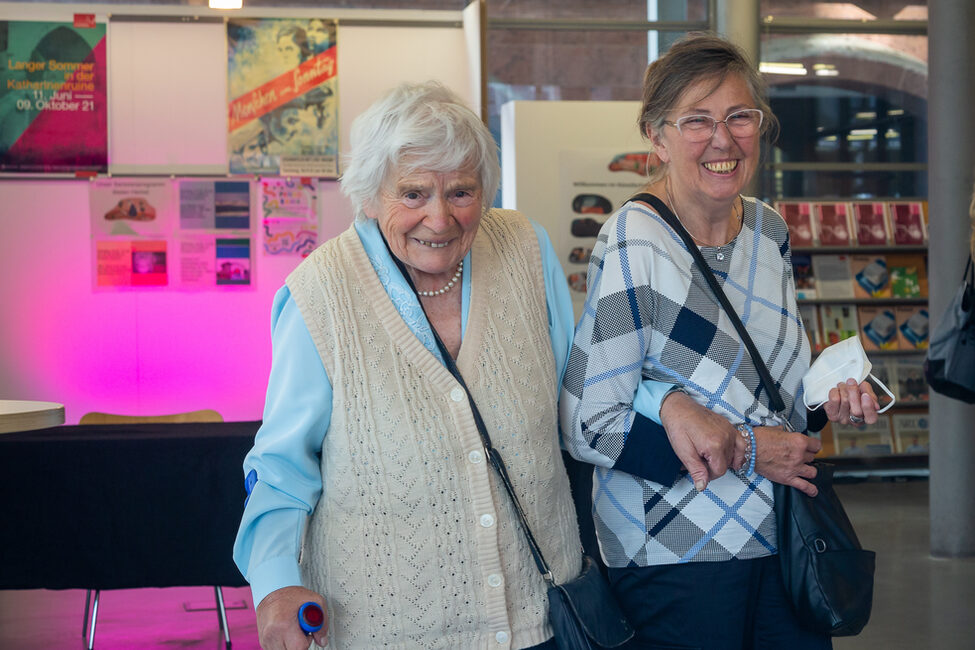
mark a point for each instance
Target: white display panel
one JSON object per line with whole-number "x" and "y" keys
{"x": 552, "y": 153}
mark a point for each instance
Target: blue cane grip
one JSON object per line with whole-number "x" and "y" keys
{"x": 310, "y": 617}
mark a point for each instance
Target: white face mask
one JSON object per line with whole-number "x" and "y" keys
{"x": 836, "y": 364}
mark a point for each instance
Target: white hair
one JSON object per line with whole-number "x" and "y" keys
{"x": 417, "y": 126}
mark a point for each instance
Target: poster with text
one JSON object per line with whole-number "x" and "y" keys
{"x": 593, "y": 184}
{"x": 206, "y": 261}
{"x": 53, "y": 112}
{"x": 289, "y": 215}
{"x": 283, "y": 106}
{"x": 214, "y": 205}
{"x": 120, "y": 263}
{"x": 131, "y": 207}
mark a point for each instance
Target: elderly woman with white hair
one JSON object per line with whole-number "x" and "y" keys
{"x": 369, "y": 489}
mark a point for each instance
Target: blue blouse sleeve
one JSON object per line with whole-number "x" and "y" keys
{"x": 560, "y": 316}
{"x": 285, "y": 458}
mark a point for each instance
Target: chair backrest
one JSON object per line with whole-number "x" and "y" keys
{"x": 203, "y": 415}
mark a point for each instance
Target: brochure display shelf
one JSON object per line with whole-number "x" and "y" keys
{"x": 861, "y": 269}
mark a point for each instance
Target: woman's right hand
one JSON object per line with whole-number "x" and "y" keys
{"x": 704, "y": 441}
{"x": 277, "y": 620}
{"x": 784, "y": 457}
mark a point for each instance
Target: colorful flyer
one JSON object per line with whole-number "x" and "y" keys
{"x": 53, "y": 110}
{"x": 206, "y": 261}
{"x": 214, "y": 205}
{"x": 233, "y": 261}
{"x": 131, "y": 207}
{"x": 289, "y": 216}
{"x": 282, "y": 79}
{"x": 120, "y": 263}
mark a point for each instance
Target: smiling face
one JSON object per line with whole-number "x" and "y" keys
{"x": 429, "y": 220}
{"x": 711, "y": 173}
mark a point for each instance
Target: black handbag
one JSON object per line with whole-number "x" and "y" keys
{"x": 949, "y": 367}
{"x": 826, "y": 573}
{"x": 583, "y": 612}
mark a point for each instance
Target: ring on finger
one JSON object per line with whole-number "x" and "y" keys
{"x": 856, "y": 420}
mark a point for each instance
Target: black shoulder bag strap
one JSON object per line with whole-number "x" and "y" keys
{"x": 493, "y": 455}
{"x": 773, "y": 391}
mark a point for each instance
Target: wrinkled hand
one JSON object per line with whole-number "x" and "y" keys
{"x": 277, "y": 620}
{"x": 850, "y": 398}
{"x": 784, "y": 457}
{"x": 705, "y": 442}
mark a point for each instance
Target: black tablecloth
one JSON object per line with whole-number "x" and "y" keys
{"x": 121, "y": 506}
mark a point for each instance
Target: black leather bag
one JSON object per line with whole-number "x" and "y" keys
{"x": 584, "y": 613}
{"x": 827, "y": 573}
{"x": 950, "y": 364}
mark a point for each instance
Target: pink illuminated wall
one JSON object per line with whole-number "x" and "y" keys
{"x": 136, "y": 351}
{"x": 151, "y": 351}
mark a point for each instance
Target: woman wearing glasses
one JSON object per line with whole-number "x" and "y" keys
{"x": 693, "y": 562}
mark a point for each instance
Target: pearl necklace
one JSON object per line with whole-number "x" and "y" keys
{"x": 673, "y": 207}
{"x": 450, "y": 285}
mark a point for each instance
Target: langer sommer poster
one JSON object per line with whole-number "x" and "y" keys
{"x": 53, "y": 113}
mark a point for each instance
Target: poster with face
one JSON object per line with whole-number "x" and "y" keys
{"x": 282, "y": 80}
{"x": 53, "y": 111}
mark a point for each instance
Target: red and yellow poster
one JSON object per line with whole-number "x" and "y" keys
{"x": 53, "y": 113}
{"x": 281, "y": 86}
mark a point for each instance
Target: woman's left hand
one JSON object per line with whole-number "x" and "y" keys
{"x": 785, "y": 457}
{"x": 851, "y": 403}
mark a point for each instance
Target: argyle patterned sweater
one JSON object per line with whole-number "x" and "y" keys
{"x": 649, "y": 313}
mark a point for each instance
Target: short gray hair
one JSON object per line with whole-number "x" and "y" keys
{"x": 417, "y": 126}
{"x": 698, "y": 56}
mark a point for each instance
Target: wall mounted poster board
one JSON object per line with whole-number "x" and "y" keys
{"x": 156, "y": 232}
{"x": 53, "y": 109}
{"x": 282, "y": 89}
{"x": 567, "y": 178}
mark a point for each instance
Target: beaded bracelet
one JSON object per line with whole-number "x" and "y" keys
{"x": 749, "y": 435}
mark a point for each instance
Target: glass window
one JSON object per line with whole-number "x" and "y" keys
{"x": 844, "y": 184}
{"x": 858, "y": 99}
{"x": 567, "y": 65}
{"x": 692, "y": 10}
{"x": 859, "y": 10}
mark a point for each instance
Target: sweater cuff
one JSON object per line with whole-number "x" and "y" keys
{"x": 647, "y": 453}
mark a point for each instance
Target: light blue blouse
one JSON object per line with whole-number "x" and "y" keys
{"x": 285, "y": 457}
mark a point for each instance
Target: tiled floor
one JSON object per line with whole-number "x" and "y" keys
{"x": 919, "y": 603}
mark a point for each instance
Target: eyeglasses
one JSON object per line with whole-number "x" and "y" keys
{"x": 700, "y": 128}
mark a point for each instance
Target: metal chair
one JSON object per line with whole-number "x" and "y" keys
{"x": 97, "y": 417}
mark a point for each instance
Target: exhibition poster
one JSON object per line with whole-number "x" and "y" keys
{"x": 289, "y": 215}
{"x": 214, "y": 205}
{"x": 130, "y": 221}
{"x": 53, "y": 110}
{"x": 593, "y": 184}
{"x": 181, "y": 234}
{"x": 282, "y": 95}
{"x": 214, "y": 236}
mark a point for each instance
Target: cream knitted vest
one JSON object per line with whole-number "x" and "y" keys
{"x": 414, "y": 543}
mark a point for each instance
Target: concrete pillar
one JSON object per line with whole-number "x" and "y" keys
{"x": 951, "y": 161}
{"x": 738, "y": 21}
